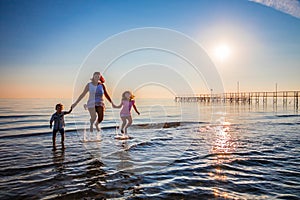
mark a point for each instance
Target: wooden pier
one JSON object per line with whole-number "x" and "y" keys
{"x": 244, "y": 97}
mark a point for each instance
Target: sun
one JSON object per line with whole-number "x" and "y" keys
{"x": 222, "y": 52}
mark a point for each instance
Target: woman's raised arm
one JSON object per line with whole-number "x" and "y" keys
{"x": 115, "y": 106}
{"x": 86, "y": 89}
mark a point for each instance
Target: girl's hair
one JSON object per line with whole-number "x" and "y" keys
{"x": 102, "y": 80}
{"x": 130, "y": 98}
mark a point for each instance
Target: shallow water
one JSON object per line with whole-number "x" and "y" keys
{"x": 228, "y": 152}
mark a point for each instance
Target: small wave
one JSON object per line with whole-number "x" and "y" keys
{"x": 142, "y": 144}
{"x": 32, "y": 134}
{"x": 13, "y": 171}
{"x": 286, "y": 124}
{"x": 22, "y": 128}
{"x": 165, "y": 124}
{"x": 288, "y": 196}
{"x": 18, "y": 116}
{"x": 22, "y": 121}
{"x": 160, "y": 125}
{"x": 143, "y": 126}
{"x": 287, "y": 115}
{"x": 24, "y": 135}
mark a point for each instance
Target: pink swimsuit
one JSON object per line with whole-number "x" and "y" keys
{"x": 125, "y": 112}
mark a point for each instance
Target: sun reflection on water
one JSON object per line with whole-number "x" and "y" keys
{"x": 223, "y": 142}
{"x": 223, "y": 145}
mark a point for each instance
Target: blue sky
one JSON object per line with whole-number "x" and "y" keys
{"x": 43, "y": 43}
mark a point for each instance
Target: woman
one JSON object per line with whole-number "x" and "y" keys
{"x": 95, "y": 103}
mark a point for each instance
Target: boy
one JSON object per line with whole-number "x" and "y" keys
{"x": 59, "y": 124}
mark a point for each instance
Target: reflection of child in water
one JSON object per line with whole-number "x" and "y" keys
{"x": 126, "y": 104}
{"x": 59, "y": 124}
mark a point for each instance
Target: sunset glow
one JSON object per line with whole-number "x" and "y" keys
{"x": 42, "y": 58}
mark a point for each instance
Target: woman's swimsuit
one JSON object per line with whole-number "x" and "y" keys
{"x": 95, "y": 95}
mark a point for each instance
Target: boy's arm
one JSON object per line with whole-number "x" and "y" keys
{"x": 51, "y": 121}
{"x": 134, "y": 107}
{"x": 106, "y": 94}
{"x": 68, "y": 112}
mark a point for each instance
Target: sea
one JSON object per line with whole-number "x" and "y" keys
{"x": 187, "y": 150}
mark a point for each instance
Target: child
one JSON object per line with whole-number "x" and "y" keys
{"x": 127, "y": 102}
{"x": 59, "y": 124}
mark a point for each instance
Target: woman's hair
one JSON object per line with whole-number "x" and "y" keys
{"x": 131, "y": 95}
{"x": 102, "y": 80}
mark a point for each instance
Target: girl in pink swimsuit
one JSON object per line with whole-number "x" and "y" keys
{"x": 126, "y": 104}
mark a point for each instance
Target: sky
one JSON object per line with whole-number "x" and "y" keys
{"x": 44, "y": 45}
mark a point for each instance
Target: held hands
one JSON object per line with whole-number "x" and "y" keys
{"x": 73, "y": 105}
{"x": 113, "y": 105}
{"x": 138, "y": 112}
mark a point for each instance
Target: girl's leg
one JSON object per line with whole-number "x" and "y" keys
{"x": 93, "y": 115}
{"x": 123, "y": 124}
{"x": 129, "y": 122}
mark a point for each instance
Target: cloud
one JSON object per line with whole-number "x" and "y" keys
{"x": 291, "y": 7}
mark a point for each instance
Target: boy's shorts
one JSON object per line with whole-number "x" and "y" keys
{"x": 62, "y": 131}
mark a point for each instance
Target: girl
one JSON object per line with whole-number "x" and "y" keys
{"x": 127, "y": 103}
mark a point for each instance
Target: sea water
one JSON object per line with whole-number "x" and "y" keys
{"x": 176, "y": 151}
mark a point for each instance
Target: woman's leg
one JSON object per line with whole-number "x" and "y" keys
{"x": 100, "y": 112}
{"x": 129, "y": 122}
{"x": 124, "y": 121}
{"x": 93, "y": 115}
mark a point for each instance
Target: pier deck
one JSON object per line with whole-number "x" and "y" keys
{"x": 244, "y": 97}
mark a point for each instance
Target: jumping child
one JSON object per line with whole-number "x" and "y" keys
{"x": 59, "y": 124}
{"x": 127, "y": 103}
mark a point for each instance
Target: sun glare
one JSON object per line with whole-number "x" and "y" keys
{"x": 222, "y": 52}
